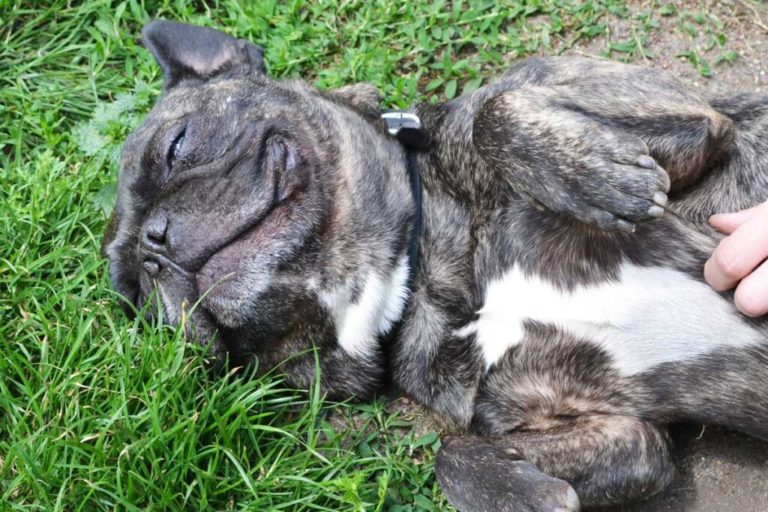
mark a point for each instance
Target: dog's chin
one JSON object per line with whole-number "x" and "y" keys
{"x": 199, "y": 326}
{"x": 210, "y": 305}
{"x": 172, "y": 297}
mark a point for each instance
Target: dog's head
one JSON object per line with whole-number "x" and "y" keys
{"x": 264, "y": 216}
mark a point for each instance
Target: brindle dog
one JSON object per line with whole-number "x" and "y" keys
{"x": 541, "y": 289}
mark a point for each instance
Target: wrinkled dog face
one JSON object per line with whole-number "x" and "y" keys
{"x": 268, "y": 204}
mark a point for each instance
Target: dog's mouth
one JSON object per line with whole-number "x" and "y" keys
{"x": 174, "y": 295}
{"x": 216, "y": 295}
{"x": 169, "y": 293}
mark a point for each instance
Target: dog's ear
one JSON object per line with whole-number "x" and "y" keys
{"x": 188, "y": 52}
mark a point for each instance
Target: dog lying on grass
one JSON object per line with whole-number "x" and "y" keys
{"x": 525, "y": 260}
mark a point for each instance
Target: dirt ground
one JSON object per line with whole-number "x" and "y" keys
{"x": 744, "y": 23}
{"x": 719, "y": 470}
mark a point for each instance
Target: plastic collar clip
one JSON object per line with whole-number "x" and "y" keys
{"x": 406, "y": 127}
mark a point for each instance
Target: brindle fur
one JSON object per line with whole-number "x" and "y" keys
{"x": 282, "y": 193}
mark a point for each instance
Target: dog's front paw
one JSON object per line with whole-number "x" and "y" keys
{"x": 616, "y": 190}
{"x": 477, "y": 474}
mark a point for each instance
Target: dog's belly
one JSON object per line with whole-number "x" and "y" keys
{"x": 649, "y": 316}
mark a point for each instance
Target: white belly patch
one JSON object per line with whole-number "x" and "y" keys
{"x": 651, "y": 315}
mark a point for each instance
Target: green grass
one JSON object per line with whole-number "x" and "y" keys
{"x": 98, "y": 412}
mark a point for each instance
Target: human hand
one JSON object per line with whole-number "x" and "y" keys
{"x": 739, "y": 259}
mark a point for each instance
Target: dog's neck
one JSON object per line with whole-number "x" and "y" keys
{"x": 419, "y": 147}
{"x": 366, "y": 300}
{"x": 441, "y": 293}
{"x": 379, "y": 309}
{"x": 370, "y": 309}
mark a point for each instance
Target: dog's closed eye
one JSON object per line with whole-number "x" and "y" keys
{"x": 174, "y": 150}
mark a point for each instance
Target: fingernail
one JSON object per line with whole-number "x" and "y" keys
{"x": 719, "y": 216}
{"x": 646, "y": 162}
{"x": 660, "y": 198}
{"x": 753, "y": 313}
{"x": 656, "y": 211}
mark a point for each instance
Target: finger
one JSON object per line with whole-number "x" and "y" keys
{"x": 752, "y": 293}
{"x": 738, "y": 254}
{"x": 729, "y": 222}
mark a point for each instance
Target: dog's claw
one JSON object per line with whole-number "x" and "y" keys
{"x": 626, "y": 194}
{"x": 660, "y": 198}
{"x": 646, "y": 162}
{"x": 626, "y": 226}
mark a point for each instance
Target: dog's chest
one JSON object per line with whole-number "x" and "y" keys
{"x": 361, "y": 317}
{"x": 648, "y": 316}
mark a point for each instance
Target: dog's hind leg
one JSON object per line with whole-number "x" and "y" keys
{"x": 606, "y": 459}
{"x": 728, "y": 386}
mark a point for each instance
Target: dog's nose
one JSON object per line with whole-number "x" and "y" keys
{"x": 154, "y": 237}
{"x": 155, "y": 230}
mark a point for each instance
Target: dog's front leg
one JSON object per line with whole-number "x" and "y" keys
{"x": 604, "y": 158}
{"x": 567, "y": 161}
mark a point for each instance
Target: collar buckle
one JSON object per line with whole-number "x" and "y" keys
{"x": 406, "y": 127}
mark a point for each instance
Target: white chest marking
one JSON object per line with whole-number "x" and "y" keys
{"x": 379, "y": 305}
{"x": 651, "y": 316}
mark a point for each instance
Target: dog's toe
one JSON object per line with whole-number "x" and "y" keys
{"x": 625, "y": 195}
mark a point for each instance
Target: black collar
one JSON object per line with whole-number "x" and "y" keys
{"x": 413, "y": 245}
{"x": 408, "y": 130}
